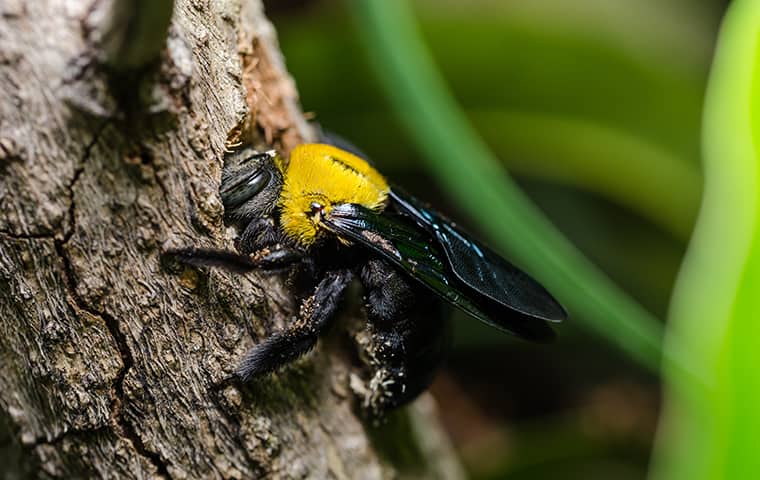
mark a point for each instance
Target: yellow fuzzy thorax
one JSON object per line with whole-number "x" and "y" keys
{"x": 325, "y": 175}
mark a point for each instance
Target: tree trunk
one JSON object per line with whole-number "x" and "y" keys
{"x": 111, "y": 147}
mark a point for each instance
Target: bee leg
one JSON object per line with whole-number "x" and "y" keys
{"x": 259, "y": 234}
{"x": 314, "y": 316}
{"x": 268, "y": 259}
{"x": 405, "y": 341}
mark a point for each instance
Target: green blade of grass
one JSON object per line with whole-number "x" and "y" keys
{"x": 640, "y": 175}
{"x": 462, "y": 163}
{"x": 715, "y": 310}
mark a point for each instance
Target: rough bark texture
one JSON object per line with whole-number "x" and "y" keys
{"x": 110, "y": 360}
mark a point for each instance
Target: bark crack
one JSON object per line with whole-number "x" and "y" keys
{"x": 122, "y": 425}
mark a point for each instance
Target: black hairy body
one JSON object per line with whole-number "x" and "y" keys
{"x": 352, "y": 226}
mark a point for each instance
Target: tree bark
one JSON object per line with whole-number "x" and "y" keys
{"x": 111, "y": 361}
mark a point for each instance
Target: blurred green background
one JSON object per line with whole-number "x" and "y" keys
{"x": 594, "y": 107}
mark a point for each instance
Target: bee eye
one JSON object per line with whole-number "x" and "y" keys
{"x": 244, "y": 187}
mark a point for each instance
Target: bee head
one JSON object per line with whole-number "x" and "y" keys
{"x": 319, "y": 177}
{"x": 251, "y": 184}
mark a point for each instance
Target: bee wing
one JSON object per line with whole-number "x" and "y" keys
{"x": 481, "y": 268}
{"x": 417, "y": 252}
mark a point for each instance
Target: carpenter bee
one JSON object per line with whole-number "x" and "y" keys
{"x": 328, "y": 208}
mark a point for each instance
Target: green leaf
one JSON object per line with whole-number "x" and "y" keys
{"x": 715, "y": 313}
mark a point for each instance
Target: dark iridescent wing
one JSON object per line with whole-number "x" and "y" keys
{"x": 479, "y": 267}
{"x": 416, "y": 251}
